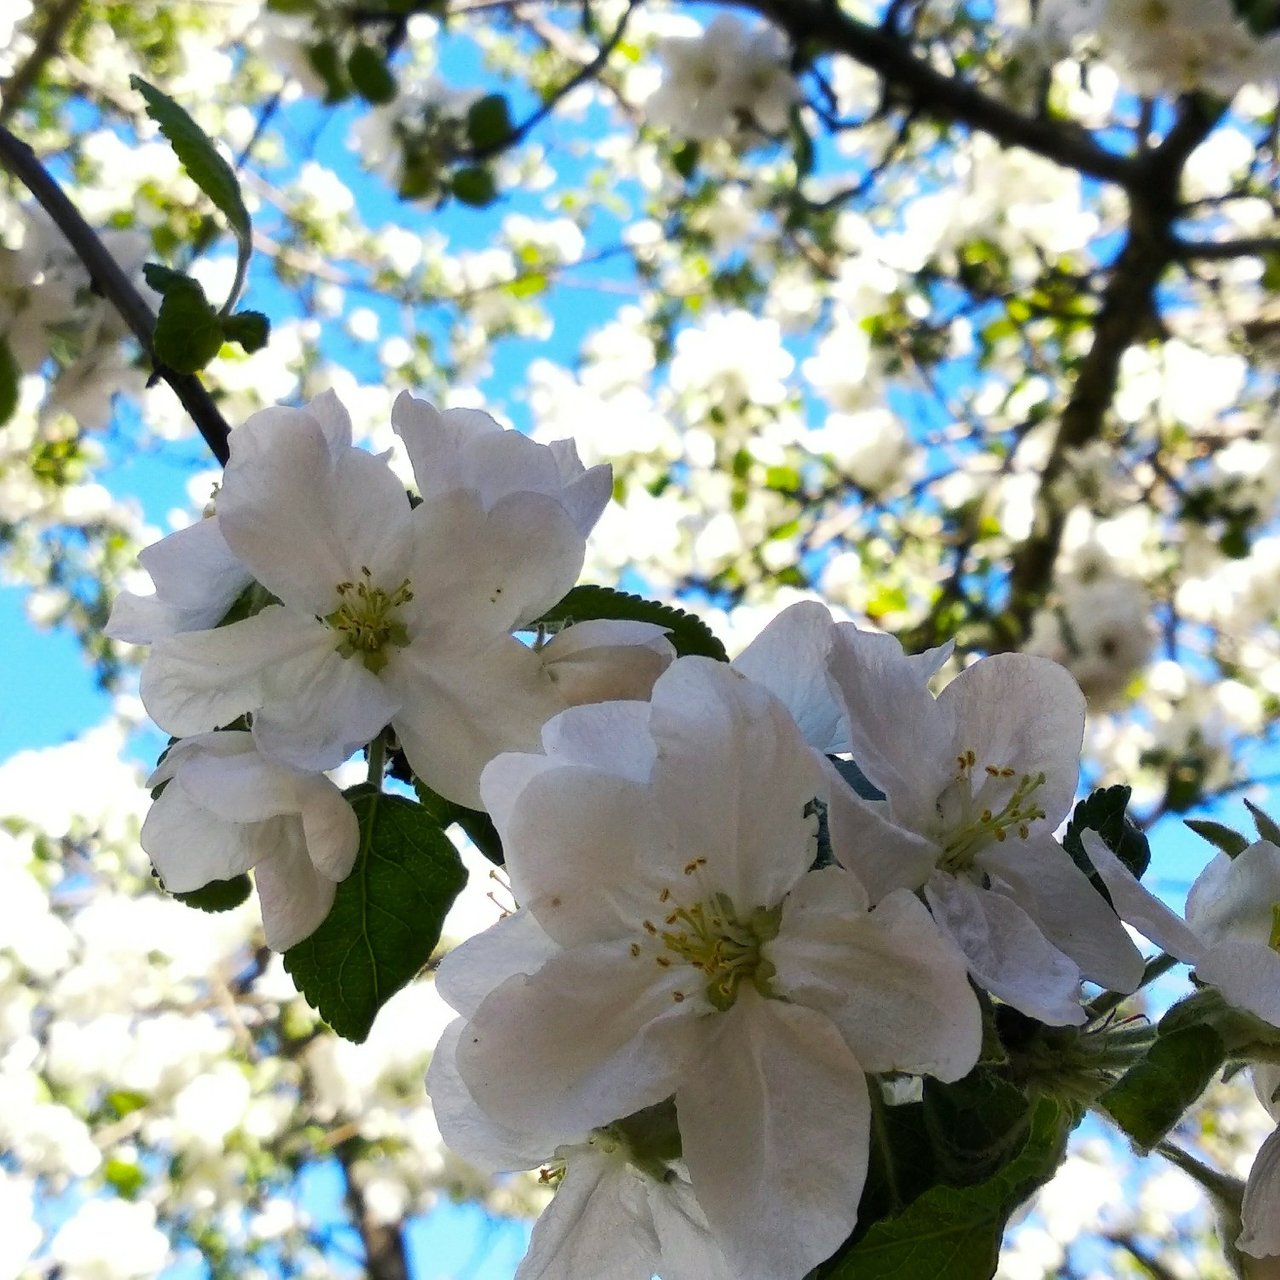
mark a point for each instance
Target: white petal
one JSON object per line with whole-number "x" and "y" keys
{"x": 329, "y": 826}
{"x": 596, "y": 1226}
{"x": 334, "y": 420}
{"x": 789, "y": 658}
{"x": 579, "y": 846}
{"x": 866, "y": 840}
{"x": 462, "y": 705}
{"x": 585, "y": 492}
{"x": 466, "y": 1130}
{"x": 516, "y": 944}
{"x": 197, "y": 579}
{"x": 899, "y": 734}
{"x": 613, "y": 736}
{"x": 1025, "y": 713}
{"x": 1233, "y": 897}
{"x": 606, "y": 660}
{"x": 239, "y": 787}
{"x": 734, "y": 777}
{"x": 593, "y": 1035}
{"x": 437, "y": 442}
{"x": 1006, "y": 953}
{"x": 231, "y": 742}
{"x": 1247, "y": 974}
{"x": 294, "y": 896}
{"x": 1069, "y": 911}
{"x": 200, "y": 680}
{"x": 775, "y": 1125}
{"x": 689, "y": 1251}
{"x": 189, "y": 847}
{"x": 1138, "y": 906}
{"x": 897, "y": 989}
{"x": 1261, "y": 1210}
{"x": 304, "y": 517}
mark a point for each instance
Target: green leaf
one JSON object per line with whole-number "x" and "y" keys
{"x": 956, "y": 1231}
{"x": 205, "y": 167}
{"x": 1267, "y": 828}
{"x": 475, "y": 822}
{"x": 386, "y": 917}
{"x": 218, "y": 895}
{"x": 1104, "y": 812}
{"x": 1221, "y": 837}
{"x": 162, "y": 278}
{"x": 125, "y": 1177}
{"x": 1152, "y": 1096}
{"x": 10, "y": 382}
{"x": 689, "y": 634}
{"x": 489, "y": 122}
{"x": 370, "y": 75}
{"x": 474, "y": 185}
{"x": 250, "y": 329}
{"x": 188, "y": 330}
{"x": 327, "y": 63}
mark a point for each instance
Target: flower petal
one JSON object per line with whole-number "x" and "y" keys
{"x": 1261, "y": 1209}
{"x": 294, "y": 896}
{"x": 586, "y": 490}
{"x": 189, "y": 847}
{"x": 1025, "y": 713}
{"x": 329, "y": 826}
{"x": 466, "y": 1129}
{"x": 899, "y": 734}
{"x": 612, "y": 735}
{"x": 606, "y": 660}
{"x": 1007, "y": 954}
{"x": 462, "y": 704}
{"x": 1233, "y": 897}
{"x": 1247, "y": 974}
{"x": 596, "y": 1225}
{"x": 304, "y": 516}
{"x": 1139, "y": 907}
{"x": 1069, "y": 911}
{"x": 516, "y": 944}
{"x": 689, "y": 1250}
{"x": 734, "y": 777}
{"x": 789, "y": 658}
{"x": 775, "y": 1121}
{"x": 866, "y": 841}
{"x": 593, "y": 1035}
{"x": 579, "y": 846}
{"x": 200, "y": 680}
{"x": 897, "y": 988}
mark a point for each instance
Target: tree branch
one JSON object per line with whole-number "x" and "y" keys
{"x": 1128, "y": 304}
{"x": 16, "y": 87}
{"x": 915, "y": 83}
{"x": 115, "y": 286}
{"x": 385, "y": 1255}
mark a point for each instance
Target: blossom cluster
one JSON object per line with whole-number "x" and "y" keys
{"x": 365, "y": 610}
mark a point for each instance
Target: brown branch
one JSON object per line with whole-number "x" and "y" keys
{"x": 385, "y": 1254}
{"x": 914, "y": 83}
{"x": 115, "y": 286}
{"x": 1215, "y": 250}
{"x": 17, "y": 86}
{"x": 1128, "y": 306}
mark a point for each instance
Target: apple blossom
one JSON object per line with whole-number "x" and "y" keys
{"x": 389, "y": 613}
{"x": 664, "y": 849}
{"x": 1261, "y": 1209}
{"x": 226, "y": 809}
{"x": 974, "y": 783}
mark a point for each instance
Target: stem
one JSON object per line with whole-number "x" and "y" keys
{"x": 377, "y": 760}
{"x": 1109, "y": 1000}
{"x": 21, "y": 161}
{"x": 1219, "y": 1185}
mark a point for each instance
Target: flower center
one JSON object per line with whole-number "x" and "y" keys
{"x": 979, "y": 809}
{"x": 367, "y": 621}
{"x": 1274, "y": 940}
{"x": 716, "y": 939}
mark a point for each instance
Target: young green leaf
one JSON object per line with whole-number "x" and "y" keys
{"x": 1104, "y": 812}
{"x": 956, "y": 1231}
{"x": 473, "y": 185}
{"x": 370, "y": 75}
{"x": 489, "y": 122}
{"x": 206, "y": 168}
{"x": 1151, "y": 1097}
{"x": 1223, "y": 838}
{"x": 188, "y": 330}
{"x": 249, "y": 328}
{"x": 386, "y": 917}
{"x": 218, "y": 895}
{"x": 689, "y": 634}
{"x": 10, "y": 381}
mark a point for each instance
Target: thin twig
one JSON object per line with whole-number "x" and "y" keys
{"x": 21, "y": 161}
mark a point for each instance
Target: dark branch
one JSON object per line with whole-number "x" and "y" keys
{"x": 1216, "y": 250}
{"x": 1128, "y": 307}
{"x": 115, "y": 286}
{"x": 914, "y": 83}
{"x": 385, "y": 1255}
